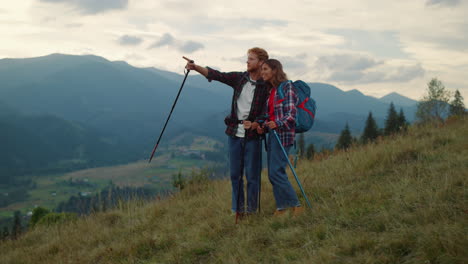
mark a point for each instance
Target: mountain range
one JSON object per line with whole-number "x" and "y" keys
{"x": 124, "y": 107}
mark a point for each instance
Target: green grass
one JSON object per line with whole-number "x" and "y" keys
{"x": 402, "y": 200}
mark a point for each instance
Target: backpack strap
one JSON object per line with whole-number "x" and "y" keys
{"x": 280, "y": 89}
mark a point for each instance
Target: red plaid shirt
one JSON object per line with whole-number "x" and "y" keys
{"x": 285, "y": 113}
{"x": 237, "y": 80}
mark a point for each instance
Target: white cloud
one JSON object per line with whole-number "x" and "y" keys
{"x": 129, "y": 40}
{"x": 374, "y": 46}
{"x": 92, "y": 6}
{"x": 73, "y": 25}
{"x": 166, "y": 39}
{"x": 384, "y": 44}
{"x": 293, "y": 62}
{"x": 347, "y": 62}
{"x": 360, "y": 69}
{"x": 443, "y": 2}
{"x": 184, "y": 46}
{"x": 191, "y": 46}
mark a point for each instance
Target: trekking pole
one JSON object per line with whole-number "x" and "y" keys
{"x": 259, "y": 190}
{"x": 240, "y": 179}
{"x": 291, "y": 166}
{"x": 263, "y": 138}
{"x": 172, "y": 109}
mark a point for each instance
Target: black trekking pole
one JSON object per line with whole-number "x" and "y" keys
{"x": 291, "y": 166}
{"x": 172, "y": 109}
{"x": 240, "y": 179}
{"x": 259, "y": 189}
{"x": 262, "y": 138}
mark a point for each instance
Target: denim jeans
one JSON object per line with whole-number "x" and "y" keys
{"x": 284, "y": 193}
{"x": 252, "y": 167}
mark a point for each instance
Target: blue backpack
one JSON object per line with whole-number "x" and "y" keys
{"x": 305, "y": 106}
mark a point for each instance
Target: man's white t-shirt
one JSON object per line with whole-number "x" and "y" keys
{"x": 244, "y": 103}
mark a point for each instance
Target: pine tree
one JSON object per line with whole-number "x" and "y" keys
{"x": 5, "y": 233}
{"x": 301, "y": 146}
{"x": 345, "y": 139}
{"x": 402, "y": 124}
{"x": 433, "y": 106}
{"x": 310, "y": 151}
{"x": 16, "y": 229}
{"x": 371, "y": 131}
{"x": 457, "y": 107}
{"x": 392, "y": 121}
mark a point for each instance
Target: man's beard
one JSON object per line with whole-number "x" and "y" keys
{"x": 253, "y": 70}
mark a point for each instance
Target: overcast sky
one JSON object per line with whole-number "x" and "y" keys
{"x": 374, "y": 46}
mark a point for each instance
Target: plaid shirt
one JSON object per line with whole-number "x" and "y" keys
{"x": 285, "y": 113}
{"x": 237, "y": 80}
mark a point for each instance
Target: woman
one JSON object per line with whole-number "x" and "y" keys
{"x": 281, "y": 112}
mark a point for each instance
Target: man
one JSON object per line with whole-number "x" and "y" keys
{"x": 245, "y": 145}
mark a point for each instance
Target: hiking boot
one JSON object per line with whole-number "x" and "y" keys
{"x": 297, "y": 210}
{"x": 280, "y": 212}
{"x": 241, "y": 215}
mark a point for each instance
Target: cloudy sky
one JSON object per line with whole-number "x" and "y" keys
{"x": 374, "y": 46}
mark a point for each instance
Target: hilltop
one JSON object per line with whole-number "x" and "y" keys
{"x": 401, "y": 200}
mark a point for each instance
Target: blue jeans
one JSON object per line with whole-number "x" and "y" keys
{"x": 252, "y": 167}
{"x": 284, "y": 193}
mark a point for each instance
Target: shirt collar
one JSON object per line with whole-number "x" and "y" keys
{"x": 251, "y": 81}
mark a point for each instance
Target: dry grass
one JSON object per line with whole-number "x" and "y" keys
{"x": 403, "y": 200}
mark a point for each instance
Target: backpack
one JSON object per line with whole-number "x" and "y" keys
{"x": 305, "y": 106}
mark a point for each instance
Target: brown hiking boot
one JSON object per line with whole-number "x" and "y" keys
{"x": 280, "y": 212}
{"x": 297, "y": 210}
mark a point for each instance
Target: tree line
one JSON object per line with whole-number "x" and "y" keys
{"x": 435, "y": 106}
{"x": 75, "y": 206}
{"x": 84, "y": 204}
{"x": 394, "y": 123}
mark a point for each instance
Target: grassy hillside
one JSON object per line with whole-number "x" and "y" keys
{"x": 403, "y": 200}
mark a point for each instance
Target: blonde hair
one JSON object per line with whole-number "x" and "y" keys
{"x": 261, "y": 53}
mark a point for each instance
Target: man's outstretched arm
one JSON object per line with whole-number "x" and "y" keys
{"x": 229, "y": 78}
{"x": 192, "y": 66}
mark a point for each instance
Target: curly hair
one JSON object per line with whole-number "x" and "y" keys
{"x": 261, "y": 53}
